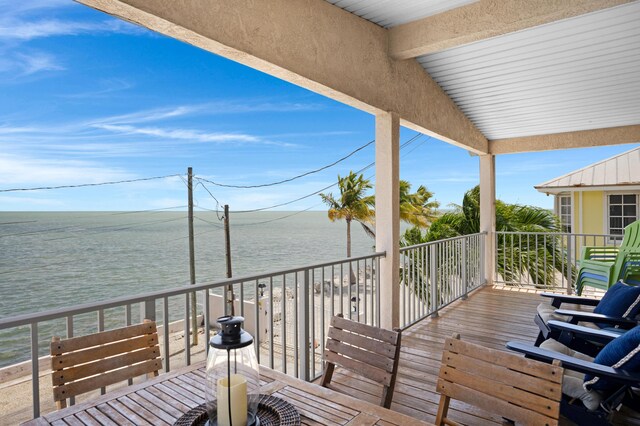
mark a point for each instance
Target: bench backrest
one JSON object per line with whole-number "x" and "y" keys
{"x": 516, "y": 388}
{"x": 83, "y": 364}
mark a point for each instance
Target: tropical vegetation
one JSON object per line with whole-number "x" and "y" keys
{"x": 535, "y": 260}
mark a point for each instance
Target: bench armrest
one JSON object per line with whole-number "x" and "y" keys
{"x": 582, "y": 332}
{"x": 571, "y": 363}
{"x": 559, "y": 299}
{"x": 577, "y": 316}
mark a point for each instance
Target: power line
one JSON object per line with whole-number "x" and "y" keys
{"x": 217, "y": 210}
{"x": 368, "y": 166}
{"x": 81, "y": 185}
{"x": 292, "y": 178}
{"x": 278, "y": 218}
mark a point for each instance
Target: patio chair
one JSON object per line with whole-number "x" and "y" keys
{"x": 518, "y": 389}
{"x": 594, "y": 389}
{"x": 601, "y": 267}
{"x": 369, "y": 351}
{"x": 618, "y": 308}
{"x": 83, "y": 364}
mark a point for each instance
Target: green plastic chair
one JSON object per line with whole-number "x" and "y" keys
{"x": 601, "y": 267}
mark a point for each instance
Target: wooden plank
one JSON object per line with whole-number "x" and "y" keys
{"x": 128, "y": 413}
{"x": 60, "y": 377}
{"x": 86, "y": 355}
{"x": 504, "y": 392}
{"x": 168, "y": 399}
{"x": 76, "y": 343}
{"x": 101, "y": 417}
{"x": 142, "y": 411}
{"x": 82, "y": 386}
{"x": 502, "y": 374}
{"x": 490, "y": 403}
{"x": 70, "y": 421}
{"x": 185, "y": 397}
{"x": 113, "y": 414}
{"x": 515, "y": 362}
{"x": 366, "y": 330}
{"x": 168, "y": 407}
{"x": 86, "y": 419}
{"x": 363, "y": 419}
{"x": 382, "y": 348}
{"x": 375, "y": 360}
{"x": 359, "y": 367}
{"x": 158, "y": 410}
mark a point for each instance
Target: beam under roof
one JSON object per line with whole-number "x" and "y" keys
{"x": 482, "y": 20}
{"x": 313, "y": 44}
{"x": 581, "y": 139}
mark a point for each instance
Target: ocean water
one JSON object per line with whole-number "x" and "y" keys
{"x": 62, "y": 259}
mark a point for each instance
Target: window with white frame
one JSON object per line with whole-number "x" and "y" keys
{"x": 564, "y": 212}
{"x": 623, "y": 210}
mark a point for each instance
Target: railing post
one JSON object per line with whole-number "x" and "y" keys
{"x": 433, "y": 296}
{"x": 465, "y": 284}
{"x": 148, "y": 310}
{"x": 35, "y": 372}
{"x": 303, "y": 327}
{"x": 569, "y": 266}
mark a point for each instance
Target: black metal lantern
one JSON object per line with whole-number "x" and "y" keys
{"x": 233, "y": 379}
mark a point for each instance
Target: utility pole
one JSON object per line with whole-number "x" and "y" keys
{"x": 228, "y": 297}
{"x": 192, "y": 260}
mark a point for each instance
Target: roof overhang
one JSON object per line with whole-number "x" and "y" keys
{"x": 605, "y": 188}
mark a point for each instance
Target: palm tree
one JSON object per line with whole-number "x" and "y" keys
{"x": 353, "y": 203}
{"x": 417, "y": 209}
{"x": 541, "y": 261}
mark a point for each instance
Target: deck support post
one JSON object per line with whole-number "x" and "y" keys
{"x": 488, "y": 213}
{"x": 388, "y": 215}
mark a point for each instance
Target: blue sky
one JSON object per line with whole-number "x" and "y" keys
{"x": 86, "y": 98}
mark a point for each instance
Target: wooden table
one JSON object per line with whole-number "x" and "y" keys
{"x": 164, "y": 399}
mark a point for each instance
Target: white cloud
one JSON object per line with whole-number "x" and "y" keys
{"x": 31, "y": 63}
{"x": 107, "y": 87}
{"x": 23, "y": 30}
{"x": 32, "y": 171}
{"x": 184, "y": 134}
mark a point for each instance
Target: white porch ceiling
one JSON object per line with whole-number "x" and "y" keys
{"x": 580, "y": 73}
{"x": 389, "y": 13}
{"x": 577, "y": 74}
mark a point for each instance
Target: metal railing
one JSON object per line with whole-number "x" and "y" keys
{"x": 543, "y": 260}
{"x": 434, "y": 274}
{"x": 287, "y": 312}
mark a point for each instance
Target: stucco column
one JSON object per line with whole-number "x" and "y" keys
{"x": 388, "y": 215}
{"x": 488, "y": 212}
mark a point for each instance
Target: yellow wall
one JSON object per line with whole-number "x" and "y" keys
{"x": 592, "y": 212}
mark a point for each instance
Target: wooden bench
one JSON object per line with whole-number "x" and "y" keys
{"x": 516, "y": 388}
{"x": 83, "y": 364}
{"x": 369, "y": 351}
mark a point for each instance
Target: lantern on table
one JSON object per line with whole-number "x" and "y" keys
{"x": 233, "y": 380}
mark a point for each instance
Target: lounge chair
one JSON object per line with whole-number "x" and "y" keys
{"x": 594, "y": 389}
{"x": 619, "y": 308}
{"x": 601, "y": 267}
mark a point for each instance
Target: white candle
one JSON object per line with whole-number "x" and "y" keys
{"x": 238, "y": 401}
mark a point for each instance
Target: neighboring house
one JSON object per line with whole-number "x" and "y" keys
{"x": 598, "y": 199}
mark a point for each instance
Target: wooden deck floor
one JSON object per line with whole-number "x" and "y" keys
{"x": 490, "y": 317}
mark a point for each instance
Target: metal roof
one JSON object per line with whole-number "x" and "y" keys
{"x": 620, "y": 170}
{"x": 389, "y": 13}
{"x": 576, "y": 74}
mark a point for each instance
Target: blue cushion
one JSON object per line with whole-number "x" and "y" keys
{"x": 622, "y": 353}
{"x": 621, "y": 300}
